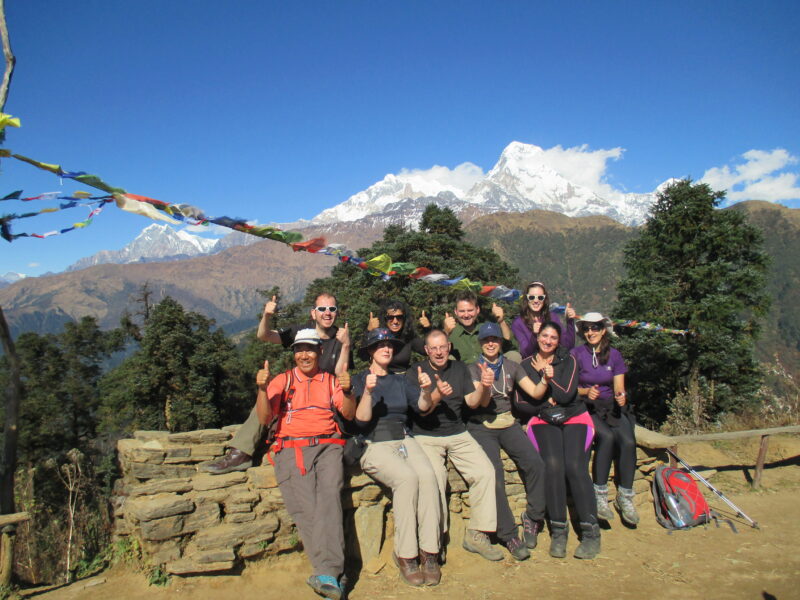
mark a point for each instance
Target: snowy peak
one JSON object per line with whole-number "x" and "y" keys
{"x": 391, "y": 189}
{"x": 155, "y": 242}
{"x": 522, "y": 179}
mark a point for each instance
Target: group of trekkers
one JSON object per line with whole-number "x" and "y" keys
{"x": 464, "y": 401}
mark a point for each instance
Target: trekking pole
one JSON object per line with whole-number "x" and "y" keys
{"x": 721, "y": 496}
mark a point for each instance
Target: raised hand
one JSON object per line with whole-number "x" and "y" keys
{"x": 271, "y": 306}
{"x": 372, "y": 381}
{"x": 593, "y": 393}
{"x": 343, "y": 335}
{"x": 570, "y": 312}
{"x": 498, "y": 312}
{"x": 344, "y": 380}
{"x": 487, "y": 375}
{"x": 449, "y": 323}
{"x": 373, "y": 322}
{"x": 423, "y": 379}
{"x": 262, "y": 377}
{"x": 445, "y": 389}
{"x": 424, "y": 321}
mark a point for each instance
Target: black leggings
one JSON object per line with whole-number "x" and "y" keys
{"x": 529, "y": 465}
{"x": 563, "y": 449}
{"x": 610, "y": 442}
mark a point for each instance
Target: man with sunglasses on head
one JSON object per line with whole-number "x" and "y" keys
{"x": 335, "y": 358}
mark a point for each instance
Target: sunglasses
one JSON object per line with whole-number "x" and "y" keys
{"x": 394, "y": 318}
{"x": 322, "y": 309}
{"x": 593, "y": 327}
{"x": 531, "y": 298}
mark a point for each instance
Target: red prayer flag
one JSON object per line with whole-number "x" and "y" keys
{"x": 313, "y": 245}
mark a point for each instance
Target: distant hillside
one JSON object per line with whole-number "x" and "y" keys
{"x": 222, "y": 286}
{"x": 781, "y": 228}
{"x": 578, "y": 258}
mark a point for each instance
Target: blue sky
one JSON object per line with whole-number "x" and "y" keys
{"x": 274, "y": 111}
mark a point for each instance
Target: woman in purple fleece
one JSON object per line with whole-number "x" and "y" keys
{"x": 601, "y": 385}
{"x": 535, "y": 311}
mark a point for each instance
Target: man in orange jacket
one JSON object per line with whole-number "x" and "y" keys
{"x": 308, "y": 445}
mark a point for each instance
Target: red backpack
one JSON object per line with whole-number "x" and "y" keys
{"x": 678, "y": 501}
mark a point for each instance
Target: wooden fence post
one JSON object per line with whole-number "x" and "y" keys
{"x": 762, "y": 455}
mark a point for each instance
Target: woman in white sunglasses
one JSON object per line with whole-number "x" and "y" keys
{"x": 534, "y": 311}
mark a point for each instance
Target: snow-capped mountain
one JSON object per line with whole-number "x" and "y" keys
{"x": 10, "y": 278}
{"x": 154, "y": 243}
{"x": 520, "y": 181}
{"x": 390, "y": 190}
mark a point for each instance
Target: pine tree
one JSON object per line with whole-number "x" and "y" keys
{"x": 184, "y": 376}
{"x": 698, "y": 268}
{"x": 60, "y": 374}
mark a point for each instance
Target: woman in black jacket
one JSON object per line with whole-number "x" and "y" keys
{"x": 395, "y": 316}
{"x": 561, "y": 430}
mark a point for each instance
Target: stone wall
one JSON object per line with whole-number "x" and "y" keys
{"x": 190, "y": 522}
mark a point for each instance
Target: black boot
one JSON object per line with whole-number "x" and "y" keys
{"x": 590, "y": 541}
{"x": 558, "y": 539}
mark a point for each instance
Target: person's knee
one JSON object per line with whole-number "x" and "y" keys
{"x": 408, "y": 481}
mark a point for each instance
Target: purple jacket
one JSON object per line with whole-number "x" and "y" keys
{"x": 527, "y": 341}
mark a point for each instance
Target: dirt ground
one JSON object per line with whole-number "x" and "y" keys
{"x": 706, "y": 562}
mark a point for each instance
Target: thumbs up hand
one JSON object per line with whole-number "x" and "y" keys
{"x": 262, "y": 377}
{"x": 423, "y": 379}
{"x": 487, "y": 375}
{"x": 570, "y": 312}
{"x": 372, "y": 382}
{"x": 445, "y": 389}
{"x": 424, "y": 321}
{"x": 344, "y": 380}
{"x": 498, "y": 312}
{"x": 449, "y": 323}
{"x": 373, "y": 322}
{"x": 593, "y": 393}
{"x": 343, "y": 335}
{"x": 271, "y": 306}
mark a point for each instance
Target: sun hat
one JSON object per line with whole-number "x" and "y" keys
{"x": 596, "y": 317}
{"x": 489, "y": 330}
{"x": 372, "y": 337}
{"x": 307, "y": 336}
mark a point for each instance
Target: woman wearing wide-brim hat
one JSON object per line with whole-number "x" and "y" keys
{"x": 601, "y": 384}
{"x": 393, "y": 458}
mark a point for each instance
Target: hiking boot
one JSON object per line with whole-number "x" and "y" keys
{"x": 558, "y": 539}
{"x": 517, "y": 548}
{"x": 478, "y": 542}
{"x": 603, "y": 509}
{"x": 326, "y": 586}
{"x": 531, "y": 530}
{"x": 624, "y": 504}
{"x": 234, "y": 460}
{"x": 429, "y": 565}
{"x": 590, "y": 541}
{"x": 409, "y": 570}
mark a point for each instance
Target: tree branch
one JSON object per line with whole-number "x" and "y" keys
{"x": 9, "y": 56}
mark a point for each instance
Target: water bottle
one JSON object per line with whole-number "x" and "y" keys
{"x": 674, "y": 510}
